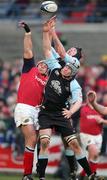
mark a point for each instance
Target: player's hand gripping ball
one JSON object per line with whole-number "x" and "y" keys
{"x": 49, "y": 7}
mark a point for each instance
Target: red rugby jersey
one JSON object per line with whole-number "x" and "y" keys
{"x": 88, "y": 123}
{"x": 31, "y": 86}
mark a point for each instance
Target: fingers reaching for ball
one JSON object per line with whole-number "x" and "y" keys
{"x": 50, "y": 24}
{"x": 21, "y": 24}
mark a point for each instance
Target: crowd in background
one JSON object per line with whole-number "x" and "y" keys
{"x": 84, "y": 10}
{"x": 89, "y": 77}
{"x": 70, "y": 10}
{"x": 9, "y": 82}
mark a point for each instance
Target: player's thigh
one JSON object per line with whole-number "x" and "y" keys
{"x": 95, "y": 145}
{"x": 98, "y": 141}
{"x": 24, "y": 115}
{"x": 86, "y": 140}
{"x": 93, "y": 151}
{"x": 44, "y": 132}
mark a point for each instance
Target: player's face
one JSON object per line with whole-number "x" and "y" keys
{"x": 72, "y": 51}
{"x": 43, "y": 68}
{"x": 66, "y": 72}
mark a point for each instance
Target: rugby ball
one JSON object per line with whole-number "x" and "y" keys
{"x": 49, "y": 7}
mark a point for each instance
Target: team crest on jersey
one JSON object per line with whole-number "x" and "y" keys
{"x": 57, "y": 86}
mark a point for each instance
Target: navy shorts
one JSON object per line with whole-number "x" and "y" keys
{"x": 57, "y": 121}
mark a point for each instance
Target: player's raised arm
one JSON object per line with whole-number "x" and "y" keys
{"x": 57, "y": 43}
{"x": 28, "y": 53}
{"x": 93, "y": 100}
{"x": 46, "y": 40}
{"x": 51, "y": 60}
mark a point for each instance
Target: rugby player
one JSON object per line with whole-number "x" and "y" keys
{"x": 91, "y": 133}
{"x": 61, "y": 84}
{"x": 29, "y": 99}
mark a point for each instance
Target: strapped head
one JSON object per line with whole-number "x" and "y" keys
{"x": 75, "y": 65}
{"x": 75, "y": 52}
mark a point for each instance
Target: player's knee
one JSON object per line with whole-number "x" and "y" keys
{"x": 93, "y": 152}
{"x": 44, "y": 140}
{"x": 71, "y": 140}
{"x": 75, "y": 146}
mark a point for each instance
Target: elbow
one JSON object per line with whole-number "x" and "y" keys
{"x": 79, "y": 104}
{"x": 28, "y": 54}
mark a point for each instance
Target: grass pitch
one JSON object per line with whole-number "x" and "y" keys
{"x": 19, "y": 177}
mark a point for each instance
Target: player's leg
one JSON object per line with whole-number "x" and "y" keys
{"x": 93, "y": 156}
{"x": 70, "y": 156}
{"x": 38, "y": 150}
{"x": 44, "y": 135}
{"x": 24, "y": 118}
{"x": 81, "y": 158}
{"x": 93, "y": 146}
{"x": 71, "y": 138}
{"x": 30, "y": 142}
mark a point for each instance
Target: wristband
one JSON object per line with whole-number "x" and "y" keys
{"x": 29, "y": 33}
{"x": 26, "y": 27}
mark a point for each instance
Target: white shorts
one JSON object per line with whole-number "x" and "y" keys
{"x": 87, "y": 139}
{"x": 25, "y": 114}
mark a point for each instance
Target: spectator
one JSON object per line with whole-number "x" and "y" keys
{"x": 4, "y": 110}
{"x": 17, "y": 7}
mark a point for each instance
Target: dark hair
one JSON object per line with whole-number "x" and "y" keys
{"x": 78, "y": 55}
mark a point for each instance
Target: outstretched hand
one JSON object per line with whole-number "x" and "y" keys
{"x": 24, "y": 25}
{"x": 50, "y": 24}
{"x": 91, "y": 96}
{"x": 21, "y": 24}
{"x": 53, "y": 22}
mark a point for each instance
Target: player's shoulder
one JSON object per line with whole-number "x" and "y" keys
{"x": 74, "y": 83}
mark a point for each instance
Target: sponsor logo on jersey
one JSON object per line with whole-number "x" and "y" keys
{"x": 40, "y": 80}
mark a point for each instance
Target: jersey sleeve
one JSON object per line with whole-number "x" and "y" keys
{"x": 55, "y": 54}
{"x": 28, "y": 65}
{"x": 69, "y": 59}
{"x": 52, "y": 62}
{"x": 76, "y": 91}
